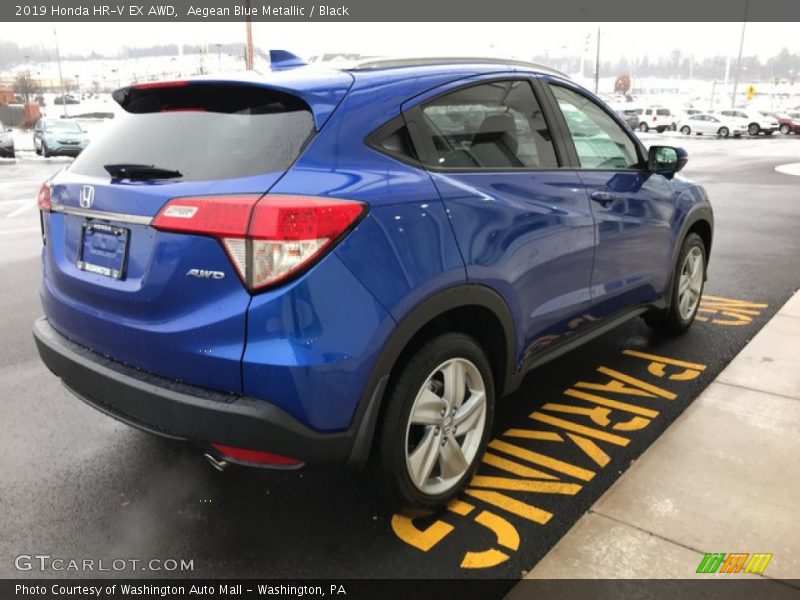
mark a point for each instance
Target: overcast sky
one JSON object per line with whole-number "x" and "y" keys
{"x": 519, "y": 40}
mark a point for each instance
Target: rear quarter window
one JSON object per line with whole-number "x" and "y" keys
{"x": 205, "y": 131}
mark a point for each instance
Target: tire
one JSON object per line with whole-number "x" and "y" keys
{"x": 679, "y": 316}
{"x": 409, "y": 427}
{"x": 786, "y": 130}
{"x": 724, "y": 132}
{"x": 769, "y": 132}
{"x": 643, "y": 127}
{"x": 37, "y": 150}
{"x": 686, "y": 130}
{"x": 45, "y": 152}
{"x": 753, "y": 129}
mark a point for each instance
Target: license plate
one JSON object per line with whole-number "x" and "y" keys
{"x": 103, "y": 249}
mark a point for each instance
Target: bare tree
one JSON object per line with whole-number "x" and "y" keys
{"x": 26, "y": 86}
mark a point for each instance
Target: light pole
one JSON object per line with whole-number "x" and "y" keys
{"x": 597, "y": 64}
{"x": 739, "y": 60}
{"x": 219, "y": 57}
{"x": 60, "y": 76}
{"x": 248, "y": 56}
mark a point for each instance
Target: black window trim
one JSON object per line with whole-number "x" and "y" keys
{"x": 373, "y": 141}
{"x": 424, "y": 146}
{"x": 567, "y": 136}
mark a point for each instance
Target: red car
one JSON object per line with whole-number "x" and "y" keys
{"x": 788, "y": 122}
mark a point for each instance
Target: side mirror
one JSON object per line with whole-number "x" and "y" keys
{"x": 666, "y": 160}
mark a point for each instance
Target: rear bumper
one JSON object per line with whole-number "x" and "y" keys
{"x": 180, "y": 411}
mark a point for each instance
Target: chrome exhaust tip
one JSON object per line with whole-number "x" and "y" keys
{"x": 219, "y": 465}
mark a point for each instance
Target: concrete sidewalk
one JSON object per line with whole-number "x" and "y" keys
{"x": 724, "y": 477}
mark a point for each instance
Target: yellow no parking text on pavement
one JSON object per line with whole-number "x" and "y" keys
{"x": 597, "y": 417}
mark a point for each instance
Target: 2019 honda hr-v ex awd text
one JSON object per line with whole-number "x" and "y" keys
{"x": 350, "y": 267}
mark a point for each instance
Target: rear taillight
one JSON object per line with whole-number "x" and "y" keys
{"x": 43, "y": 200}
{"x": 268, "y": 238}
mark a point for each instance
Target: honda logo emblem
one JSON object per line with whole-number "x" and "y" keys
{"x": 87, "y": 196}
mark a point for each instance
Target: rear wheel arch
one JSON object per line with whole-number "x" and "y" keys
{"x": 475, "y": 310}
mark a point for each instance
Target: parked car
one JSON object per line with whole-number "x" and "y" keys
{"x": 53, "y": 137}
{"x": 6, "y": 142}
{"x": 757, "y": 122}
{"x": 787, "y": 122}
{"x": 714, "y": 124}
{"x": 630, "y": 116}
{"x": 657, "y": 117}
{"x": 66, "y": 99}
{"x": 356, "y": 276}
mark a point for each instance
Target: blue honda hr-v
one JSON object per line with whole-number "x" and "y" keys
{"x": 349, "y": 267}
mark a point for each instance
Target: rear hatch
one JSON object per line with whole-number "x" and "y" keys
{"x": 170, "y": 303}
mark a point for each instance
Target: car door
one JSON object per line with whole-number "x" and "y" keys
{"x": 633, "y": 208}
{"x": 700, "y": 123}
{"x": 522, "y": 224}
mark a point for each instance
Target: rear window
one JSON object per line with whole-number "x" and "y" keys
{"x": 204, "y": 131}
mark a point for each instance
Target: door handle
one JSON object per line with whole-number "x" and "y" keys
{"x": 605, "y": 197}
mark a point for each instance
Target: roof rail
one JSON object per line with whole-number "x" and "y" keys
{"x": 396, "y": 63}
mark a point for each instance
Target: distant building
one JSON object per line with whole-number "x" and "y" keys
{"x": 6, "y": 96}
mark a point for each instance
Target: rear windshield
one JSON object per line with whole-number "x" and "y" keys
{"x": 70, "y": 126}
{"x": 204, "y": 131}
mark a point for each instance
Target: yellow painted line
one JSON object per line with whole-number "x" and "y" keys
{"x": 483, "y": 559}
{"x": 631, "y": 408}
{"x": 596, "y": 414}
{"x": 526, "y": 485}
{"x": 649, "y": 387}
{"x": 732, "y": 302}
{"x": 515, "y": 467}
{"x": 422, "y": 539}
{"x": 541, "y": 459}
{"x": 521, "y": 509}
{"x": 634, "y": 424}
{"x": 505, "y": 532}
{"x": 588, "y": 431}
{"x": 667, "y": 361}
{"x": 592, "y": 450}
{"x": 534, "y": 434}
{"x": 460, "y": 507}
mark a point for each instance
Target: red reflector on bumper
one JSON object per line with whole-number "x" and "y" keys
{"x": 254, "y": 456}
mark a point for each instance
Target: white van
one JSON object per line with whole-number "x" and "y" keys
{"x": 653, "y": 116}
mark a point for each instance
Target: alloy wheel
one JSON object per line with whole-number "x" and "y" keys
{"x": 691, "y": 283}
{"x": 445, "y": 427}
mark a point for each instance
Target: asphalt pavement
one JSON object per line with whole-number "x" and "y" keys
{"x": 79, "y": 485}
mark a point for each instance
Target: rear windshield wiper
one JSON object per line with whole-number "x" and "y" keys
{"x": 136, "y": 171}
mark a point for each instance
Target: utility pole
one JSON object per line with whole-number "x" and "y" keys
{"x": 248, "y": 57}
{"x": 219, "y": 57}
{"x": 597, "y": 64}
{"x": 739, "y": 60}
{"x": 60, "y": 76}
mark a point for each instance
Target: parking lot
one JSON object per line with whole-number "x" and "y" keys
{"x": 80, "y": 485}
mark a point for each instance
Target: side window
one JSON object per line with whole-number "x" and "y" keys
{"x": 599, "y": 141}
{"x": 496, "y": 125}
{"x": 393, "y": 139}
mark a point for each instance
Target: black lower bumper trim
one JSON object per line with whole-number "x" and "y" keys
{"x": 181, "y": 411}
